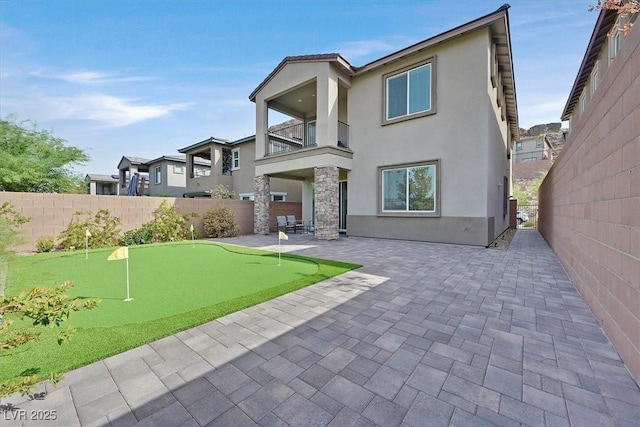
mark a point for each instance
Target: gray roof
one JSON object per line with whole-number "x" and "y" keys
{"x": 214, "y": 140}
{"x": 178, "y": 158}
{"x": 102, "y": 178}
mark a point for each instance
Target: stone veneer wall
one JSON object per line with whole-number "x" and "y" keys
{"x": 590, "y": 203}
{"x": 327, "y": 209}
{"x": 261, "y": 205}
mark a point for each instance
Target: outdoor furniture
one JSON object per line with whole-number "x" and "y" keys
{"x": 282, "y": 223}
{"x": 295, "y": 224}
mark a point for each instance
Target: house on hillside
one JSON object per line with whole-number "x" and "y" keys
{"x": 232, "y": 165}
{"x": 533, "y": 149}
{"x": 415, "y": 145}
{"x": 98, "y": 184}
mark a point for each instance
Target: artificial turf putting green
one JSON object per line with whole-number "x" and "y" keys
{"x": 173, "y": 286}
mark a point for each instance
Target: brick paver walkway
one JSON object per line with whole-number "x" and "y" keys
{"x": 422, "y": 335}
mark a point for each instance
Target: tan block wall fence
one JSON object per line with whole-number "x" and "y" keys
{"x": 590, "y": 203}
{"x": 51, "y": 213}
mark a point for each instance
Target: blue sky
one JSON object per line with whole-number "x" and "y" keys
{"x": 148, "y": 77}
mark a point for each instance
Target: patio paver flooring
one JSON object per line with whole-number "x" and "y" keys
{"x": 422, "y": 335}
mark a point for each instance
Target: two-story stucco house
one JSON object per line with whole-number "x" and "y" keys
{"x": 415, "y": 145}
{"x": 164, "y": 176}
{"x": 533, "y": 149}
{"x": 232, "y": 165}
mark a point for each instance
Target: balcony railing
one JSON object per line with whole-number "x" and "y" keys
{"x": 294, "y": 138}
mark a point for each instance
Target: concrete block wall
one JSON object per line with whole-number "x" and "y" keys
{"x": 590, "y": 203}
{"x": 51, "y": 213}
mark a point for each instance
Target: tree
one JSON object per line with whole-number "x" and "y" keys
{"x": 622, "y": 8}
{"x": 33, "y": 160}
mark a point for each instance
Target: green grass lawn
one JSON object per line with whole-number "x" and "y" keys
{"x": 173, "y": 287}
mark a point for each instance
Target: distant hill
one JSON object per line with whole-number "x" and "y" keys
{"x": 553, "y": 131}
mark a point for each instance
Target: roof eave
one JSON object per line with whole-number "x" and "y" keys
{"x": 606, "y": 19}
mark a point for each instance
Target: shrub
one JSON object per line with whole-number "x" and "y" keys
{"x": 10, "y": 221}
{"x": 104, "y": 229}
{"x": 138, "y": 236}
{"x": 45, "y": 244}
{"x": 220, "y": 222}
{"x": 221, "y": 191}
{"x": 168, "y": 225}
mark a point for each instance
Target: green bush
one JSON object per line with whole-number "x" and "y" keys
{"x": 168, "y": 225}
{"x": 138, "y": 236}
{"x": 220, "y": 222}
{"x": 45, "y": 244}
{"x": 104, "y": 229}
{"x": 10, "y": 222}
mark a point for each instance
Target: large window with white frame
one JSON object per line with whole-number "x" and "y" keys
{"x": 409, "y": 92}
{"x": 411, "y": 189}
{"x": 158, "y": 175}
{"x": 235, "y": 159}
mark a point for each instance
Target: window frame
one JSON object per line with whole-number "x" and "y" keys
{"x": 177, "y": 166}
{"x": 408, "y": 213}
{"x": 593, "y": 84}
{"x": 157, "y": 175}
{"x": 235, "y": 159}
{"x": 431, "y": 62}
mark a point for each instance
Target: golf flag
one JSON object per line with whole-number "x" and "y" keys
{"x": 191, "y": 228}
{"x": 86, "y": 233}
{"x": 120, "y": 253}
{"x": 282, "y": 236}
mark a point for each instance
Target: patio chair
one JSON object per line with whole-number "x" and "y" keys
{"x": 282, "y": 223}
{"x": 295, "y": 224}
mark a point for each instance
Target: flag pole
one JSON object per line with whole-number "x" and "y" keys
{"x": 193, "y": 243}
{"x": 128, "y": 297}
{"x": 279, "y": 250}
{"x": 86, "y": 246}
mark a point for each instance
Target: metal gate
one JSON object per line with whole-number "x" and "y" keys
{"x": 527, "y": 217}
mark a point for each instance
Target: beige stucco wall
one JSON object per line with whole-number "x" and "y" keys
{"x": 464, "y": 133}
{"x": 590, "y": 203}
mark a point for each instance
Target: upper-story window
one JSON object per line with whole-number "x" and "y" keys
{"x": 518, "y": 146}
{"x": 594, "y": 78}
{"x": 158, "y": 175}
{"x": 235, "y": 159}
{"x": 409, "y": 92}
{"x": 179, "y": 169}
{"x": 583, "y": 101}
{"x": 538, "y": 143}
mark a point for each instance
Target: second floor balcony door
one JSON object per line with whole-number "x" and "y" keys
{"x": 311, "y": 134}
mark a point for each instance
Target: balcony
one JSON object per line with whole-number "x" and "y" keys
{"x": 292, "y": 138}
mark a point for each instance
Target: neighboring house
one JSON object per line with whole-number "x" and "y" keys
{"x": 590, "y": 199}
{"x": 168, "y": 174}
{"x": 165, "y": 176}
{"x": 415, "y": 145}
{"x": 232, "y": 165}
{"x": 102, "y": 184}
{"x": 129, "y": 166}
{"x": 533, "y": 149}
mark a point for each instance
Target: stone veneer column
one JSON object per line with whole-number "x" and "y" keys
{"x": 327, "y": 211}
{"x": 262, "y": 194}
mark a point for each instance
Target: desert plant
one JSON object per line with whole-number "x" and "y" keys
{"x": 139, "y": 236}
{"x": 43, "y": 307}
{"x": 45, "y": 244}
{"x": 221, "y": 191}
{"x": 103, "y": 228}
{"x": 220, "y": 222}
{"x": 167, "y": 224}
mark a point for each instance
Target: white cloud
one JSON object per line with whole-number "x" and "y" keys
{"x": 364, "y": 48}
{"x": 109, "y": 110}
{"x": 89, "y": 77}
